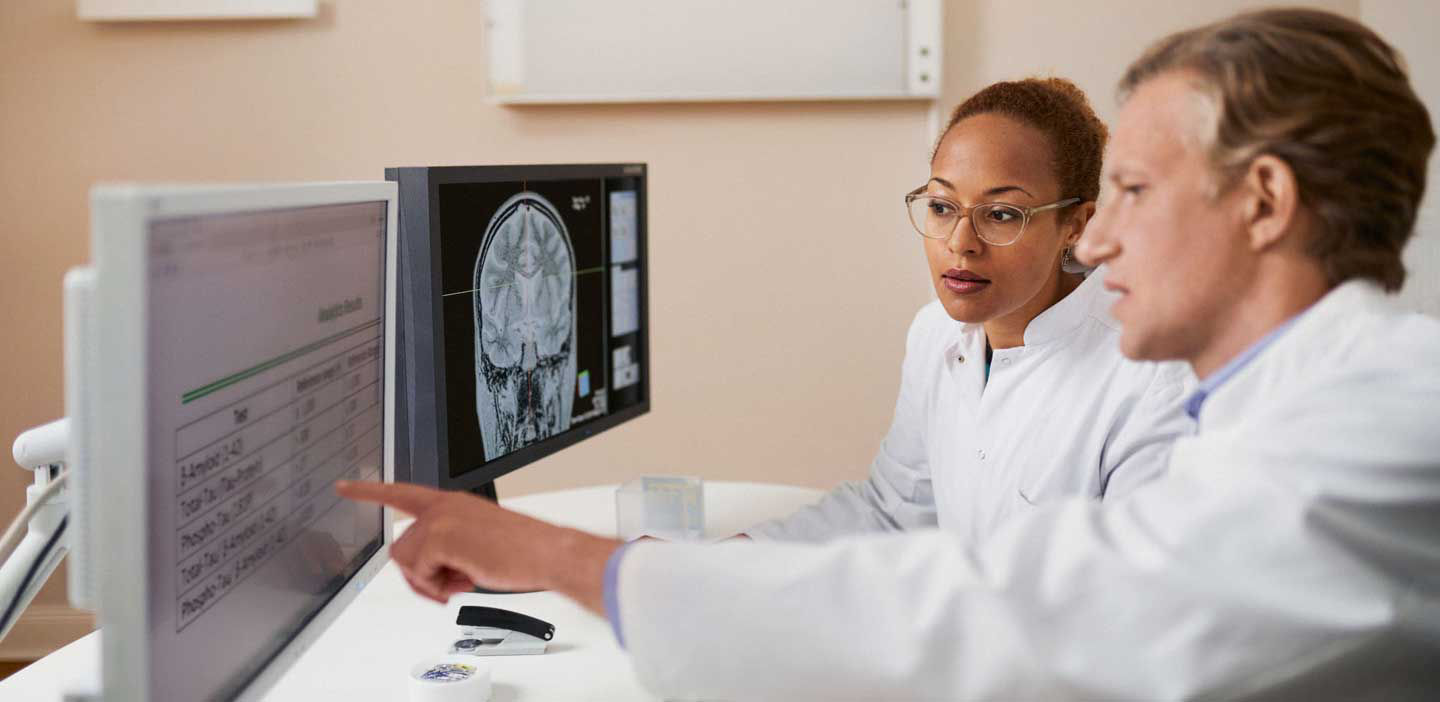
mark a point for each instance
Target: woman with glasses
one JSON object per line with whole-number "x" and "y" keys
{"x": 1013, "y": 391}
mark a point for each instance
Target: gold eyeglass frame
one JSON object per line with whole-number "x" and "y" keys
{"x": 964, "y": 213}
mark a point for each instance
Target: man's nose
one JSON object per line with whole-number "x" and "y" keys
{"x": 1097, "y": 244}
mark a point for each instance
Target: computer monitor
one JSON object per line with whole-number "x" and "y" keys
{"x": 228, "y": 359}
{"x": 523, "y": 307}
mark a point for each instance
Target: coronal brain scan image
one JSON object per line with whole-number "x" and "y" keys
{"x": 528, "y": 343}
{"x": 524, "y": 311}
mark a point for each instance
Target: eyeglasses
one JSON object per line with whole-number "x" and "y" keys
{"x": 996, "y": 223}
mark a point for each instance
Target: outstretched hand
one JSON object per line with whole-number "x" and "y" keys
{"x": 460, "y": 540}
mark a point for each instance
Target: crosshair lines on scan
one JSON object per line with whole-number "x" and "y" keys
{"x": 585, "y": 271}
{"x": 524, "y": 304}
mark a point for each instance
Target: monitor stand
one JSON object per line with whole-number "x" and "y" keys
{"x": 487, "y": 491}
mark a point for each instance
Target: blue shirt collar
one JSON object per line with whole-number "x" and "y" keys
{"x": 1212, "y": 383}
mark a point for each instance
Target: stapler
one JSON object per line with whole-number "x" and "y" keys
{"x": 489, "y": 631}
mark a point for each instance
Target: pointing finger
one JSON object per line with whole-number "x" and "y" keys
{"x": 407, "y": 498}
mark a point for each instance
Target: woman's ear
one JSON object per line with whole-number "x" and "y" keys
{"x": 1075, "y": 223}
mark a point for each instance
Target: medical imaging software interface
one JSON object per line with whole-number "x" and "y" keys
{"x": 541, "y": 305}
{"x": 266, "y": 369}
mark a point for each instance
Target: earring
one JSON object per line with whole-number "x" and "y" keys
{"x": 1067, "y": 257}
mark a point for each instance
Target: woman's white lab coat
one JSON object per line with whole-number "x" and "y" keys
{"x": 1292, "y": 551}
{"x": 1063, "y": 415}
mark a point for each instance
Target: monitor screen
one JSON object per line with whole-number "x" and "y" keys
{"x": 525, "y": 312}
{"x": 264, "y": 376}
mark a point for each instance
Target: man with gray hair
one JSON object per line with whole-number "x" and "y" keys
{"x": 1267, "y": 170}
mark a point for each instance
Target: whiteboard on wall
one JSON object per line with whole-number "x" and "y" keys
{"x": 586, "y": 51}
{"x": 157, "y": 10}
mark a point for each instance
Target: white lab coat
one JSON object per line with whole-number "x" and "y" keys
{"x": 1063, "y": 415}
{"x": 1292, "y": 551}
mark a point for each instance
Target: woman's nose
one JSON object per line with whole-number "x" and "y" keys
{"x": 963, "y": 240}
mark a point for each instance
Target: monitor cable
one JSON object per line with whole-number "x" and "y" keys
{"x": 16, "y": 531}
{"x": 22, "y": 594}
{"x": 34, "y": 544}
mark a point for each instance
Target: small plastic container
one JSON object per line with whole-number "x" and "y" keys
{"x": 663, "y": 506}
{"x": 449, "y": 679}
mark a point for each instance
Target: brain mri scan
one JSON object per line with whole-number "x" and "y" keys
{"x": 524, "y": 300}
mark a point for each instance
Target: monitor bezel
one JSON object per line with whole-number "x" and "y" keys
{"x": 423, "y": 401}
{"x": 120, "y": 217}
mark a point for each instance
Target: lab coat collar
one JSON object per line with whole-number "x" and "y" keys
{"x": 1056, "y": 322}
{"x": 1066, "y": 315}
{"x": 1296, "y": 357}
{"x": 1208, "y": 386}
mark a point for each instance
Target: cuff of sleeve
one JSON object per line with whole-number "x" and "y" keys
{"x": 612, "y": 594}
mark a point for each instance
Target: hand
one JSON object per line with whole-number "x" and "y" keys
{"x": 460, "y": 540}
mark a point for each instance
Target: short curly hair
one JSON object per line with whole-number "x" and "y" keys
{"x": 1057, "y": 108}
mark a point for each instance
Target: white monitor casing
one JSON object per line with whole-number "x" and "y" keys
{"x": 106, "y": 391}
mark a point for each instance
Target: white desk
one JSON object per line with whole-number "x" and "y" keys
{"x": 368, "y": 650}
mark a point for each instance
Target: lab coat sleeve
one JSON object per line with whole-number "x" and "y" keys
{"x": 1137, "y": 449}
{"x": 897, "y": 494}
{"x": 1307, "y": 541}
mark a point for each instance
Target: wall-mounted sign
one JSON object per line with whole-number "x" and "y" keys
{"x": 158, "y": 10}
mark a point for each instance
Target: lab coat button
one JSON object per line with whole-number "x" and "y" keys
{"x": 980, "y": 453}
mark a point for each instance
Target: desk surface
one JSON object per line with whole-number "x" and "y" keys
{"x": 367, "y": 652}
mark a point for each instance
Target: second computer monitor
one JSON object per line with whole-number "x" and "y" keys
{"x": 523, "y": 313}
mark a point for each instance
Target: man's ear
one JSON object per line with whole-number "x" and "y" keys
{"x": 1271, "y": 201}
{"x": 1075, "y": 223}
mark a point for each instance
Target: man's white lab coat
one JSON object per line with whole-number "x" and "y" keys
{"x": 1291, "y": 552}
{"x": 1064, "y": 415}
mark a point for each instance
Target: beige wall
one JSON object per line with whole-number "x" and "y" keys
{"x": 783, "y": 273}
